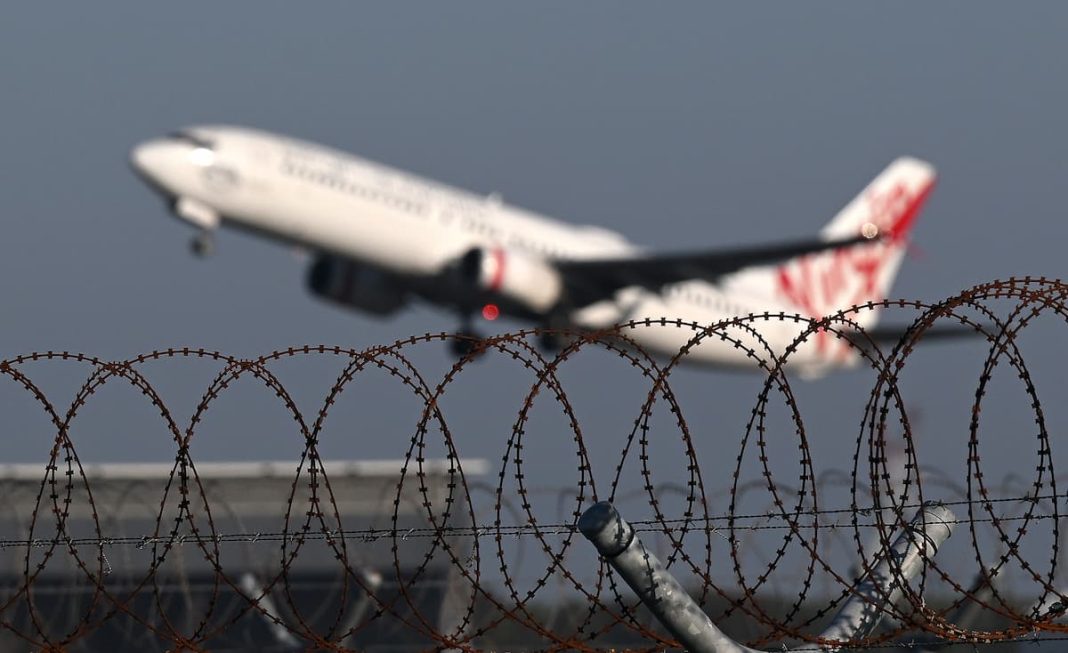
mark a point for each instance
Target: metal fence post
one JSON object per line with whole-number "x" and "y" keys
{"x": 883, "y": 585}
{"x": 618, "y": 544}
{"x": 656, "y": 587}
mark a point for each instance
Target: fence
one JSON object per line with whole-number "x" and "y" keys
{"x": 447, "y": 527}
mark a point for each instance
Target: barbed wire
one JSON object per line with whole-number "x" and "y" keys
{"x": 189, "y": 592}
{"x": 520, "y": 530}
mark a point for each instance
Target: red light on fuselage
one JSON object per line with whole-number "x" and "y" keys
{"x": 491, "y": 312}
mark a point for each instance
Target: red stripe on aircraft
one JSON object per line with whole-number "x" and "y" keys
{"x": 498, "y": 270}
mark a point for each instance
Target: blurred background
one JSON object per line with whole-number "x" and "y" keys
{"x": 704, "y": 126}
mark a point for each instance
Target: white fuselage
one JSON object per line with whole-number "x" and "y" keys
{"x": 343, "y": 205}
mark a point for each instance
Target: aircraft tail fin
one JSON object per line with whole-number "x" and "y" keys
{"x": 824, "y": 283}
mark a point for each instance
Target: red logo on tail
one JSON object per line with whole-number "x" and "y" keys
{"x": 820, "y": 284}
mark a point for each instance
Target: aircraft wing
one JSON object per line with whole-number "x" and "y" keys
{"x": 588, "y": 281}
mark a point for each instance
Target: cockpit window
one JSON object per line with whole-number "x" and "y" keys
{"x": 192, "y": 139}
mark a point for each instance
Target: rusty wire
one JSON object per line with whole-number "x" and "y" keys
{"x": 819, "y": 545}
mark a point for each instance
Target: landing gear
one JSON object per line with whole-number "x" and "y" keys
{"x": 554, "y": 334}
{"x": 551, "y": 342}
{"x": 203, "y": 244}
{"x": 467, "y": 339}
{"x": 204, "y": 218}
{"x": 464, "y": 343}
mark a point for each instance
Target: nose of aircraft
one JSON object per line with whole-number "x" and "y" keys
{"x": 150, "y": 159}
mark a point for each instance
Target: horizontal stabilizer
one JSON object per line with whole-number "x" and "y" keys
{"x": 592, "y": 280}
{"x": 891, "y": 335}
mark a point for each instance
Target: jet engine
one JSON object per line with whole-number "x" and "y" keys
{"x": 529, "y": 282}
{"x": 356, "y": 285}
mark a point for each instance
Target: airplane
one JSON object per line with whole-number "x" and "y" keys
{"x": 383, "y": 238}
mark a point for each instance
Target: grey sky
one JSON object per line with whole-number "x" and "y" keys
{"x": 680, "y": 126}
{"x": 708, "y": 125}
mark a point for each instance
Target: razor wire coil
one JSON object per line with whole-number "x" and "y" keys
{"x": 475, "y": 546}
